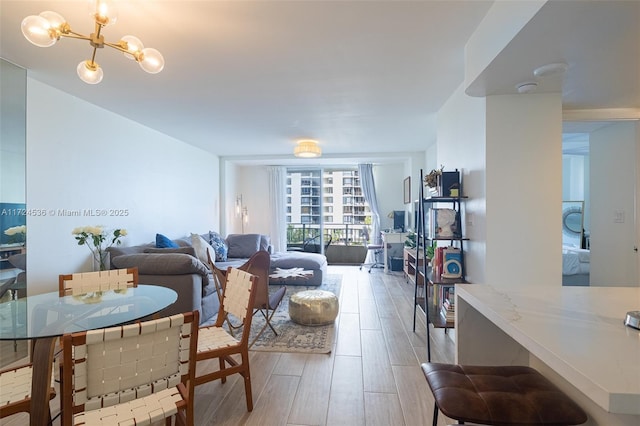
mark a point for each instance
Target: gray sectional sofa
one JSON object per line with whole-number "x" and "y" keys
{"x": 180, "y": 269}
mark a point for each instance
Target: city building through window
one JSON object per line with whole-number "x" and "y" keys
{"x": 310, "y": 195}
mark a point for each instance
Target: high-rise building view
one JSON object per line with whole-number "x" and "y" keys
{"x": 328, "y": 202}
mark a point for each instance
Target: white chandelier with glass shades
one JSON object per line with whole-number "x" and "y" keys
{"x": 45, "y": 30}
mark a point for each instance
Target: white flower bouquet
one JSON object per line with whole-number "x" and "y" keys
{"x": 17, "y": 233}
{"x": 98, "y": 240}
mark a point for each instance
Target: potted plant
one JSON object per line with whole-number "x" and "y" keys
{"x": 431, "y": 249}
{"x": 432, "y": 180}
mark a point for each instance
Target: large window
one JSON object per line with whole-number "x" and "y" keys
{"x": 348, "y": 215}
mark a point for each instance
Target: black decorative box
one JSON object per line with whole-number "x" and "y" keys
{"x": 450, "y": 184}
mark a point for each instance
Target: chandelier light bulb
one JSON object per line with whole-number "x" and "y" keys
{"x": 151, "y": 60}
{"x": 46, "y": 29}
{"x": 56, "y": 21}
{"x": 134, "y": 45}
{"x": 36, "y": 29}
{"x": 104, "y": 12}
{"x": 89, "y": 72}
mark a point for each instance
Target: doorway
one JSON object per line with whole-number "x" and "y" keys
{"x": 600, "y": 168}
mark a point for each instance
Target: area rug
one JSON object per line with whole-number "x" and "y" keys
{"x": 294, "y": 337}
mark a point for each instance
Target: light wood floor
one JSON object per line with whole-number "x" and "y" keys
{"x": 372, "y": 377}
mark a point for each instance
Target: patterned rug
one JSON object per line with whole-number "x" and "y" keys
{"x": 294, "y": 337}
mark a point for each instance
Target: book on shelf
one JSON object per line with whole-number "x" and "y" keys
{"x": 452, "y": 263}
{"x": 442, "y": 293}
{"x": 448, "y": 311}
{"x": 447, "y": 263}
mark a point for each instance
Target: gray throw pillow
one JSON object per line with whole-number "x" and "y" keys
{"x": 265, "y": 242}
{"x": 243, "y": 245}
{"x": 185, "y": 250}
{"x": 161, "y": 264}
{"x": 115, "y": 251}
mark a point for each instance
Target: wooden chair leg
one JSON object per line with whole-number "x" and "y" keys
{"x": 222, "y": 367}
{"x": 247, "y": 381}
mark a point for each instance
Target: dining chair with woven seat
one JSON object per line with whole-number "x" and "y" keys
{"x": 133, "y": 374}
{"x": 15, "y": 391}
{"x": 216, "y": 342}
{"x": 87, "y": 282}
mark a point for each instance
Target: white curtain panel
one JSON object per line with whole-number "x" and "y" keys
{"x": 369, "y": 191}
{"x": 277, "y": 188}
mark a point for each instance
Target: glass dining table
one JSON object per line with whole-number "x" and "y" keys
{"x": 45, "y": 317}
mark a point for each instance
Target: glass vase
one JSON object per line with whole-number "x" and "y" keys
{"x": 101, "y": 261}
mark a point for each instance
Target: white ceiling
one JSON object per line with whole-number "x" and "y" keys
{"x": 251, "y": 77}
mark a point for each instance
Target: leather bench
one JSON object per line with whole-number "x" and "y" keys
{"x": 499, "y": 395}
{"x": 317, "y": 263}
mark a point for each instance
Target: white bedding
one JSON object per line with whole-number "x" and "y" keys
{"x": 575, "y": 260}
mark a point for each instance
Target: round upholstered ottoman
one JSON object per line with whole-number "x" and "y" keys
{"x": 313, "y": 307}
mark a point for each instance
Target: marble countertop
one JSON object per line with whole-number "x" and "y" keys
{"x": 577, "y": 331}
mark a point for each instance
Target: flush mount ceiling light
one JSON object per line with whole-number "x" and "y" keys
{"x": 527, "y": 87}
{"x": 45, "y": 30}
{"x": 550, "y": 69}
{"x": 307, "y": 148}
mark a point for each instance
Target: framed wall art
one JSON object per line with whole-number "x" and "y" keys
{"x": 407, "y": 190}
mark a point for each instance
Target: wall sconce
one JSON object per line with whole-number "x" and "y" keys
{"x": 245, "y": 217}
{"x": 242, "y": 212}
{"x": 238, "y": 205}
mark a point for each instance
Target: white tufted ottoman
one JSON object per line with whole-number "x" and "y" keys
{"x": 313, "y": 307}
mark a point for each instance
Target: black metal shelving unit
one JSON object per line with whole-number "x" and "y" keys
{"x": 422, "y": 299}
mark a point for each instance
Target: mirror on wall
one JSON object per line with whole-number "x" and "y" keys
{"x": 573, "y": 224}
{"x": 13, "y": 237}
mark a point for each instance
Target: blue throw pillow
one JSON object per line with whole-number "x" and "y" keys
{"x": 164, "y": 242}
{"x": 219, "y": 245}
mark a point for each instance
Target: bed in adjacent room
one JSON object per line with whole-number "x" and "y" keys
{"x": 575, "y": 266}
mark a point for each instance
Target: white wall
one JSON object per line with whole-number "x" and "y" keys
{"x": 524, "y": 190}
{"x": 613, "y": 189}
{"x": 389, "y": 179}
{"x": 461, "y": 145}
{"x": 253, "y": 183}
{"x": 509, "y": 151}
{"x": 82, "y": 157}
{"x": 230, "y": 222}
{"x": 412, "y": 168}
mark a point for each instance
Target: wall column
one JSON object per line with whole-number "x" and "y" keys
{"x": 524, "y": 189}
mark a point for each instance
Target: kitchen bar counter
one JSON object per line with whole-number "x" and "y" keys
{"x": 574, "y": 335}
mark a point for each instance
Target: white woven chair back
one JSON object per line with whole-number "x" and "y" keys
{"x": 88, "y": 282}
{"x": 15, "y": 384}
{"x": 237, "y": 292}
{"x": 120, "y": 364}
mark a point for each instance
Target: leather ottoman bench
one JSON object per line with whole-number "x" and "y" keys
{"x": 499, "y": 395}
{"x": 313, "y": 307}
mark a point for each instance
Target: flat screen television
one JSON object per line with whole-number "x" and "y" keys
{"x": 399, "y": 220}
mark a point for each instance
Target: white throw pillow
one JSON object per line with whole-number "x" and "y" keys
{"x": 202, "y": 247}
